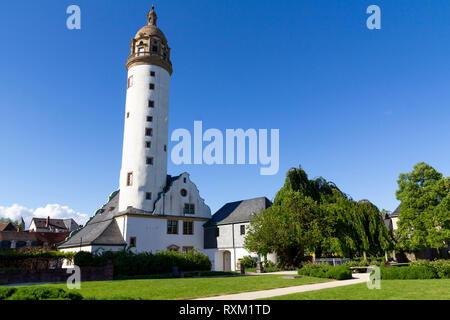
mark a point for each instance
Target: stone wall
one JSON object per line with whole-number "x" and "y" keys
{"x": 56, "y": 275}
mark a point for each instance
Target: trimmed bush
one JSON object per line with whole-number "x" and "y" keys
{"x": 40, "y": 293}
{"x": 324, "y": 270}
{"x": 14, "y": 254}
{"x": 5, "y": 292}
{"x": 439, "y": 269}
{"x": 248, "y": 262}
{"x": 127, "y": 263}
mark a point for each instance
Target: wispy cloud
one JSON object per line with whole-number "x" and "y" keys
{"x": 56, "y": 211}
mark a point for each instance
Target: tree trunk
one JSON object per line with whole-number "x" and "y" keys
{"x": 365, "y": 255}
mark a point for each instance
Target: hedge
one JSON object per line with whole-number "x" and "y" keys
{"x": 127, "y": 263}
{"x": 38, "y": 293}
{"x": 324, "y": 270}
{"x": 422, "y": 269}
{"x": 13, "y": 254}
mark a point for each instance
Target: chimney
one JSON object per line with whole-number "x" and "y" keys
{"x": 48, "y": 222}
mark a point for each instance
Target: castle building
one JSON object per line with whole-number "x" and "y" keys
{"x": 152, "y": 210}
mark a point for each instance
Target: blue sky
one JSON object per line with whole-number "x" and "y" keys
{"x": 353, "y": 105}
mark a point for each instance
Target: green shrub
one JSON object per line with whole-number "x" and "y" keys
{"x": 439, "y": 269}
{"x": 14, "y": 254}
{"x": 127, "y": 263}
{"x": 44, "y": 293}
{"x": 6, "y": 292}
{"x": 248, "y": 262}
{"x": 342, "y": 272}
{"x": 324, "y": 270}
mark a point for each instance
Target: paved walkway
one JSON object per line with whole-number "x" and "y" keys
{"x": 357, "y": 278}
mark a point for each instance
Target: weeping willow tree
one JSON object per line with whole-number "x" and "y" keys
{"x": 315, "y": 216}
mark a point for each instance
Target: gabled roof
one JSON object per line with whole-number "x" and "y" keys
{"x": 238, "y": 211}
{"x": 7, "y": 227}
{"x": 42, "y": 223}
{"x": 101, "y": 229}
{"x": 396, "y": 212}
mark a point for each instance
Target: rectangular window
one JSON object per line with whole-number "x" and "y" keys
{"x": 152, "y": 74}
{"x": 187, "y": 249}
{"x": 152, "y": 86}
{"x": 172, "y": 227}
{"x": 151, "y": 103}
{"x": 130, "y": 82}
{"x": 217, "y": 232}
{"x": 148, "y": 144}
{"x": 132, "y": 242}
{"x": 154, "y": 49}
{"x": 242, "y": 229}
{"x": 189, "y": 208}
{"x": 129, "y": 179}
{"x": 149, "y": 118}
{"x": 128, "y": 114}
{"x": 165, "y": 148}
{"x": 148, "y": 196}
{"x": 149, "y": 132}
{"x": 150, "y": 161}
{"x": 188, "y": 227}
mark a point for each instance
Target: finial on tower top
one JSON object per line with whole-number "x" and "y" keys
{"x": 151, "y": 17}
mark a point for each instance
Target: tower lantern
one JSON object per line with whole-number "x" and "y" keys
{"x": 144, "y": 158}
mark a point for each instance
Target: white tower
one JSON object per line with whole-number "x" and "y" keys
{"x": 144, "y": 158}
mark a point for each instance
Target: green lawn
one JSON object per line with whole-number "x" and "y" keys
{"x": 435, "y": 289}
{"x": 186, "y": 288}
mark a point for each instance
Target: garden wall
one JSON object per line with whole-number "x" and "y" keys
{"x": 56, "y": 275}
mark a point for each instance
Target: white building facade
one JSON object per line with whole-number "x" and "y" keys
{"x": 151, "y": 211}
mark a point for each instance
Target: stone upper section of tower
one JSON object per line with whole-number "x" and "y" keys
{"x": 149, "y": 46}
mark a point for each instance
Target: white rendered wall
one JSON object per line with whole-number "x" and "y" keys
{"x": 146, "y": 178}
{"x": 173, "y": 202}
{"x": 151, "y": 234}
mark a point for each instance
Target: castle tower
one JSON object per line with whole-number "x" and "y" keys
{"x": 144, "y": 157}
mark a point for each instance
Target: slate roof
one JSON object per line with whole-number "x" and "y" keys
{"x": 42, "y": 223}
{"x": 7, "y": 227}
{"x": 238, "y": 211}
{"x": 101, "y": 229}
{"x": 396, "y": 212}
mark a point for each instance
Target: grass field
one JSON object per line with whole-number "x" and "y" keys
{"x": 186, "y": 288}
{"x": 434, "y": 289}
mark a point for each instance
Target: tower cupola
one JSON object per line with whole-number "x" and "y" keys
{"x": 149, "y": 46}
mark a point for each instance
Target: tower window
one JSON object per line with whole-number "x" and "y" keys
{"x": 152, "y": 86}
{"x": 132, "y": 242}
{"x": 128, "y": 115}
{"x": 188, "y": 227}
{"x": 149, "y": 132}
{"x": 149, "y": 118}
{"x": 148, "y": 144}
{"x": 129, "y": 179}
{"x": 165, "y": 148}
{"x": 151, "y": 103}
{"x": 150, "y": 160}
{"x": 189, "y": 208}
{"x": 148, "y": 196}
{"x": 152, "y": 73}
{"x": 172, "y": 227}
{"x": 154, "y": 49}
{"x": 130, "y": 82}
